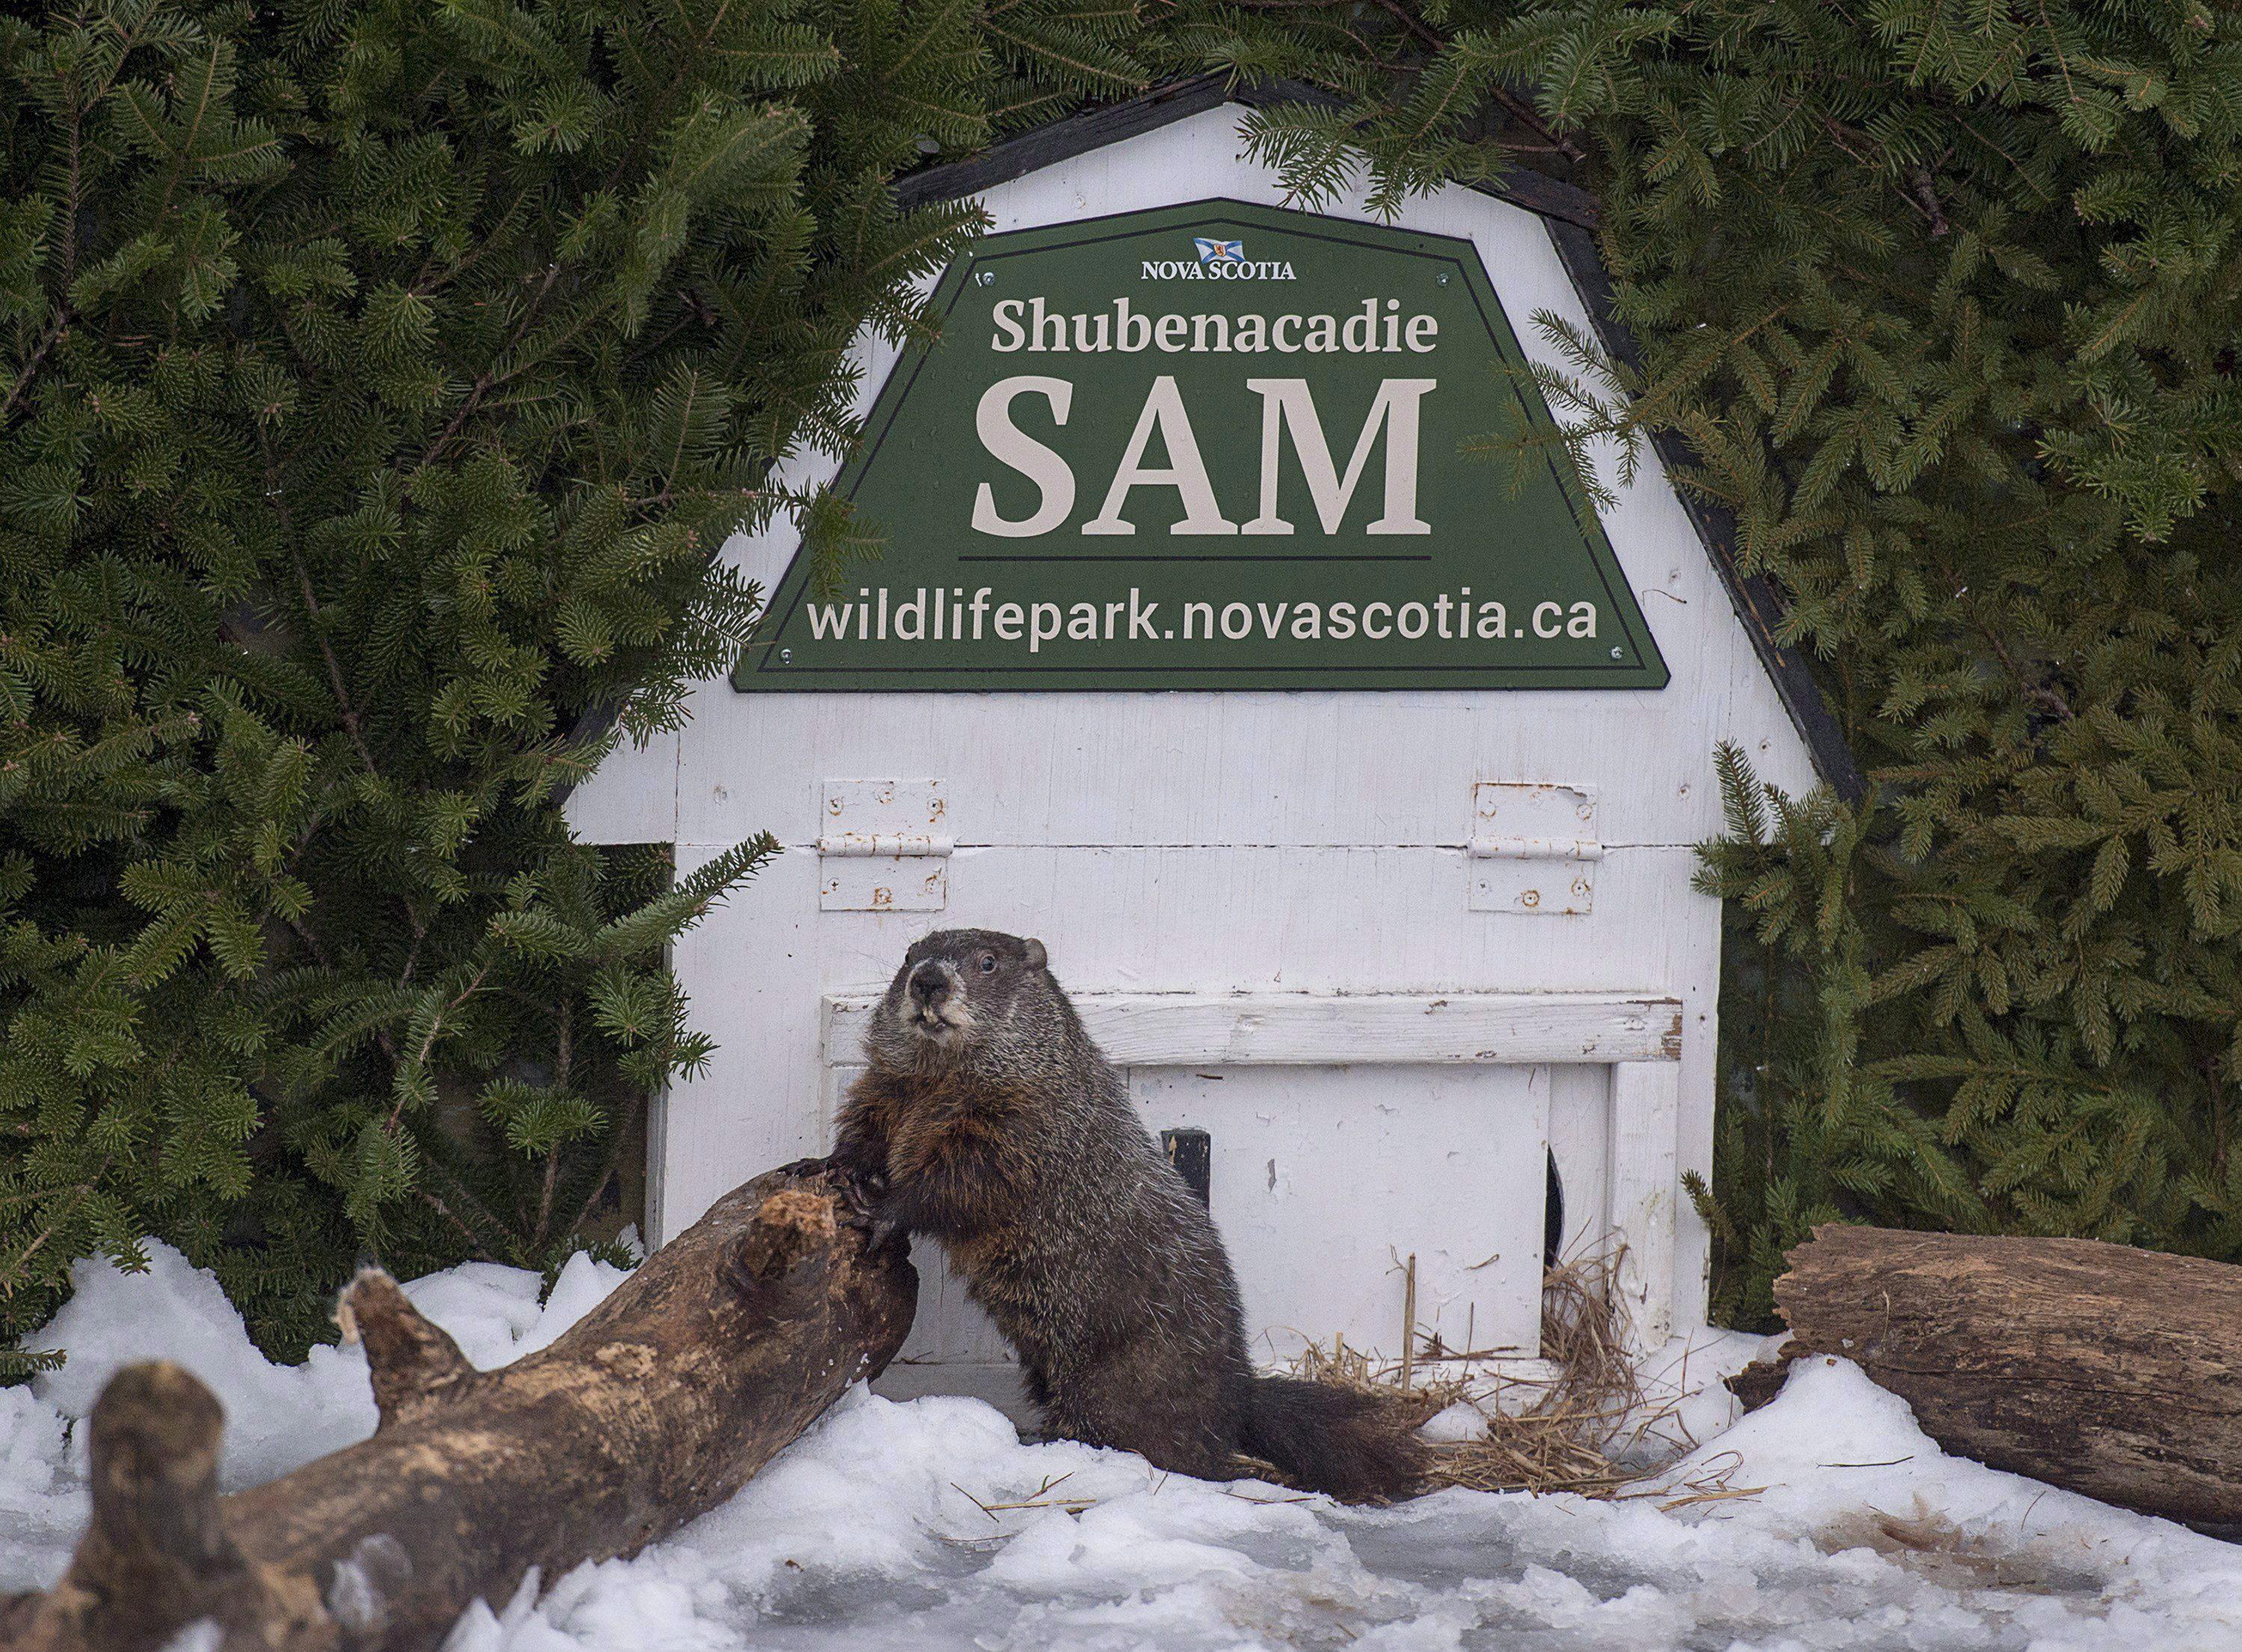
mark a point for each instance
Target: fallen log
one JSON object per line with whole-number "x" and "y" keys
{"x": 659, "y": 1405}
{"x": 2103, "y": 1369}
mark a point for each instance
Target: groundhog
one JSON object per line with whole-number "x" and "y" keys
{"x": 987, "y": 1119}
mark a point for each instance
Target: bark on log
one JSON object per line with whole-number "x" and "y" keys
{"x": 656, "y": 1407}
{"x": 2097, "y": 1367}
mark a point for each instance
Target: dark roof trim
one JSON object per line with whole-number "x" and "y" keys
{"x": 1164, "y": 105}
{"x": 1570, "y": 214}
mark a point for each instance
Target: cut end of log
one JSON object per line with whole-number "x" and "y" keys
{"x": 414, "y": 1362}
{"x": 789, "y": 1229}
{"x": 156, "y": 1431}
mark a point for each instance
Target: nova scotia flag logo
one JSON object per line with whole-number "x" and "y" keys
{"x": 1218, "y": 260}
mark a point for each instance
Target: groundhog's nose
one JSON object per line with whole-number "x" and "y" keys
{"x": 929, "y": 986}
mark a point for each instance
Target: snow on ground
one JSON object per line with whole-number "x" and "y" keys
{"x": 1824, "y": 1522}
{"x": 275, "y": 1416}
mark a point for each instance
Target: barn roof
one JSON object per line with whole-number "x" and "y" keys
{"x": 1570, "y": 215}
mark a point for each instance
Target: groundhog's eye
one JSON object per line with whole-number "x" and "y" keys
{"x": 988, "y": 963}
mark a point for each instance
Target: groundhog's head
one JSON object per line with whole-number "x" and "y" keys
{"x": 960, "y": 989}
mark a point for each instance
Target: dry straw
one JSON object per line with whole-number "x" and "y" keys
{"x": 1586, "y": 1426}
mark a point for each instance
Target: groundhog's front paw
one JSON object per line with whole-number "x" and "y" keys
{"x": 883, "y": 1230}
{"x": 867, "y": 1202}
{"x": 806, "y": 1169}
{"x": 861, "y": 1191}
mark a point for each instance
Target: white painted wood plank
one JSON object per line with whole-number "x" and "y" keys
{"x": 1325, "y": 1179}
{"x": 1694, "y": 1130}
{"x": 1331, "y": 1029}
{"x": 1580, "y": 1140}
{"x": 1310, "y": 768}
{"x": 842, "y": 1068}
{"x": 1326, "y": 920}
{"x": 1645, "y": 1188}
{"x": 993, "y": 1382}
{"x": 631, "y": 797}
{"x": 948, "y": 1327}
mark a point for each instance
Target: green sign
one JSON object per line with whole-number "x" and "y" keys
{"x": 1212, "y": 445}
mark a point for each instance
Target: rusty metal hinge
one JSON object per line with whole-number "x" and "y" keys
{"x": 1533, "y": 849}
{"x": 883, "y": 849}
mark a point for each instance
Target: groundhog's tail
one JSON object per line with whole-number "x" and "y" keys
{"x": 1348, "y": 1445}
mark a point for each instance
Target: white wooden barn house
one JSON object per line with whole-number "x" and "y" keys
{"x": 1397, "y": 917}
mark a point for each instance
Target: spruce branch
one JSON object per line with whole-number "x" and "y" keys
{"x": 52, "y": 334}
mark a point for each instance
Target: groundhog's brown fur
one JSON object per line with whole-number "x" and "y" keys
{"x": 987, "y": 1119}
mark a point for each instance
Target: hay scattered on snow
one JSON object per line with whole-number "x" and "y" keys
{"x": 1586, "y": 1427}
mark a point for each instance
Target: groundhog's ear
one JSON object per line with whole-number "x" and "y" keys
{"x": 1036, "y": 956}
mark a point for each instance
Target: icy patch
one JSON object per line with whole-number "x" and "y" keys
{"x": 927, "y": 1525}
{"x": 1824, "y": 1522}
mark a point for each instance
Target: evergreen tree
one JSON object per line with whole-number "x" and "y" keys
{"x": 1944, "y": 298}
{"x": 378, "y": 378}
